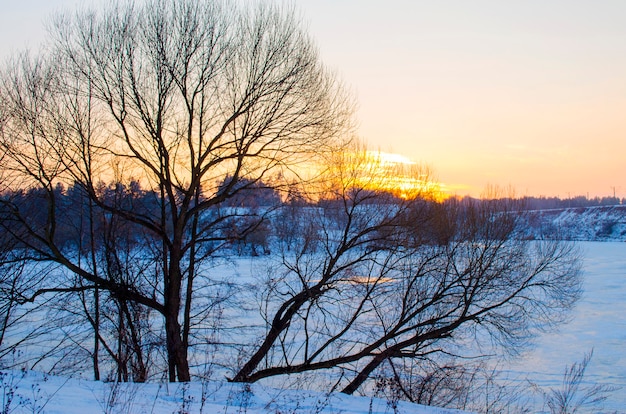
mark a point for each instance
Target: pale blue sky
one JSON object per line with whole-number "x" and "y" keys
{"x": 528, "y": 93}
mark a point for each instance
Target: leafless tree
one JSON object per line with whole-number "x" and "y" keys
{"x": 199, "y": 102}
{"x": 179, "y": 95}
{"x": 395, "y": 279}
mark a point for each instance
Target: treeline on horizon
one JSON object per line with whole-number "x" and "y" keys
{"x": 248, "y": 220}
{"x": 252, "y": 194}
{"x": 260, "y": 193}
{"x": 544, "y": 203}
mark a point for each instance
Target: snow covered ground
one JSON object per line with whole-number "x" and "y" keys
{"x": 32, "y": 392}
{"x": 598, "y": 324}
{"x": 600, "y": 223}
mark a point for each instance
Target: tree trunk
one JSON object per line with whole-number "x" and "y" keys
{"x": 364, "y": 374}
{"x": 244, "y": 373}
{"x": 96, "y": 336}
{"x": 279, "y": 324}
{"x": 176, "y": 350}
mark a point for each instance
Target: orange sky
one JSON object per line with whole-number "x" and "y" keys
{"x": 530, "y": 94}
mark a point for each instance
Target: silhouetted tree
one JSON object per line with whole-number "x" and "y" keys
{"x": 178, "y": 94}
{"x": 383, "y": 288}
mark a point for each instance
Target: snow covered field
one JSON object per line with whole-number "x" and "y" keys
{"x": 599, "y": 323}
{"x": 31, "y": 392}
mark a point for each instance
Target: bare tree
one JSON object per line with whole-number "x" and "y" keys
{"x": 180, "y": 95}
{"x": 396, "y": 279}
{"x": 199, "y": 102}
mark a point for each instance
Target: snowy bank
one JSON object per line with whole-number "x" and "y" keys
{"x": 34, "y": 392}
{"x": 601, "y": 223}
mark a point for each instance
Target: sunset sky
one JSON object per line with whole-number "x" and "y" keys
{"x": 530, "y": 94}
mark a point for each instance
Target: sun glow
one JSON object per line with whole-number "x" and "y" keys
{"x": 386, "y": 158}
{"x": 398, "y": 175}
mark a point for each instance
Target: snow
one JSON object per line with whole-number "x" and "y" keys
{"x": 600, "y": 223}
{"x": 598, "y": 323}
{"x": 33, "y": 392}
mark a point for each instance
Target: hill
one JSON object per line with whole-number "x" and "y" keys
{"x": 600, "y": 223}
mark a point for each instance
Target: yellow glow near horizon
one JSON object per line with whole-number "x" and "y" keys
{"x": 398, "y": 175}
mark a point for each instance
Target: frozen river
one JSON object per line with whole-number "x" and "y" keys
{"x": 599, "y": 323}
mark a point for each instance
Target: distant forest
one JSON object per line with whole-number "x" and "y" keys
{"x": 248, "y": 220}
{"x": 543, "y": 203}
